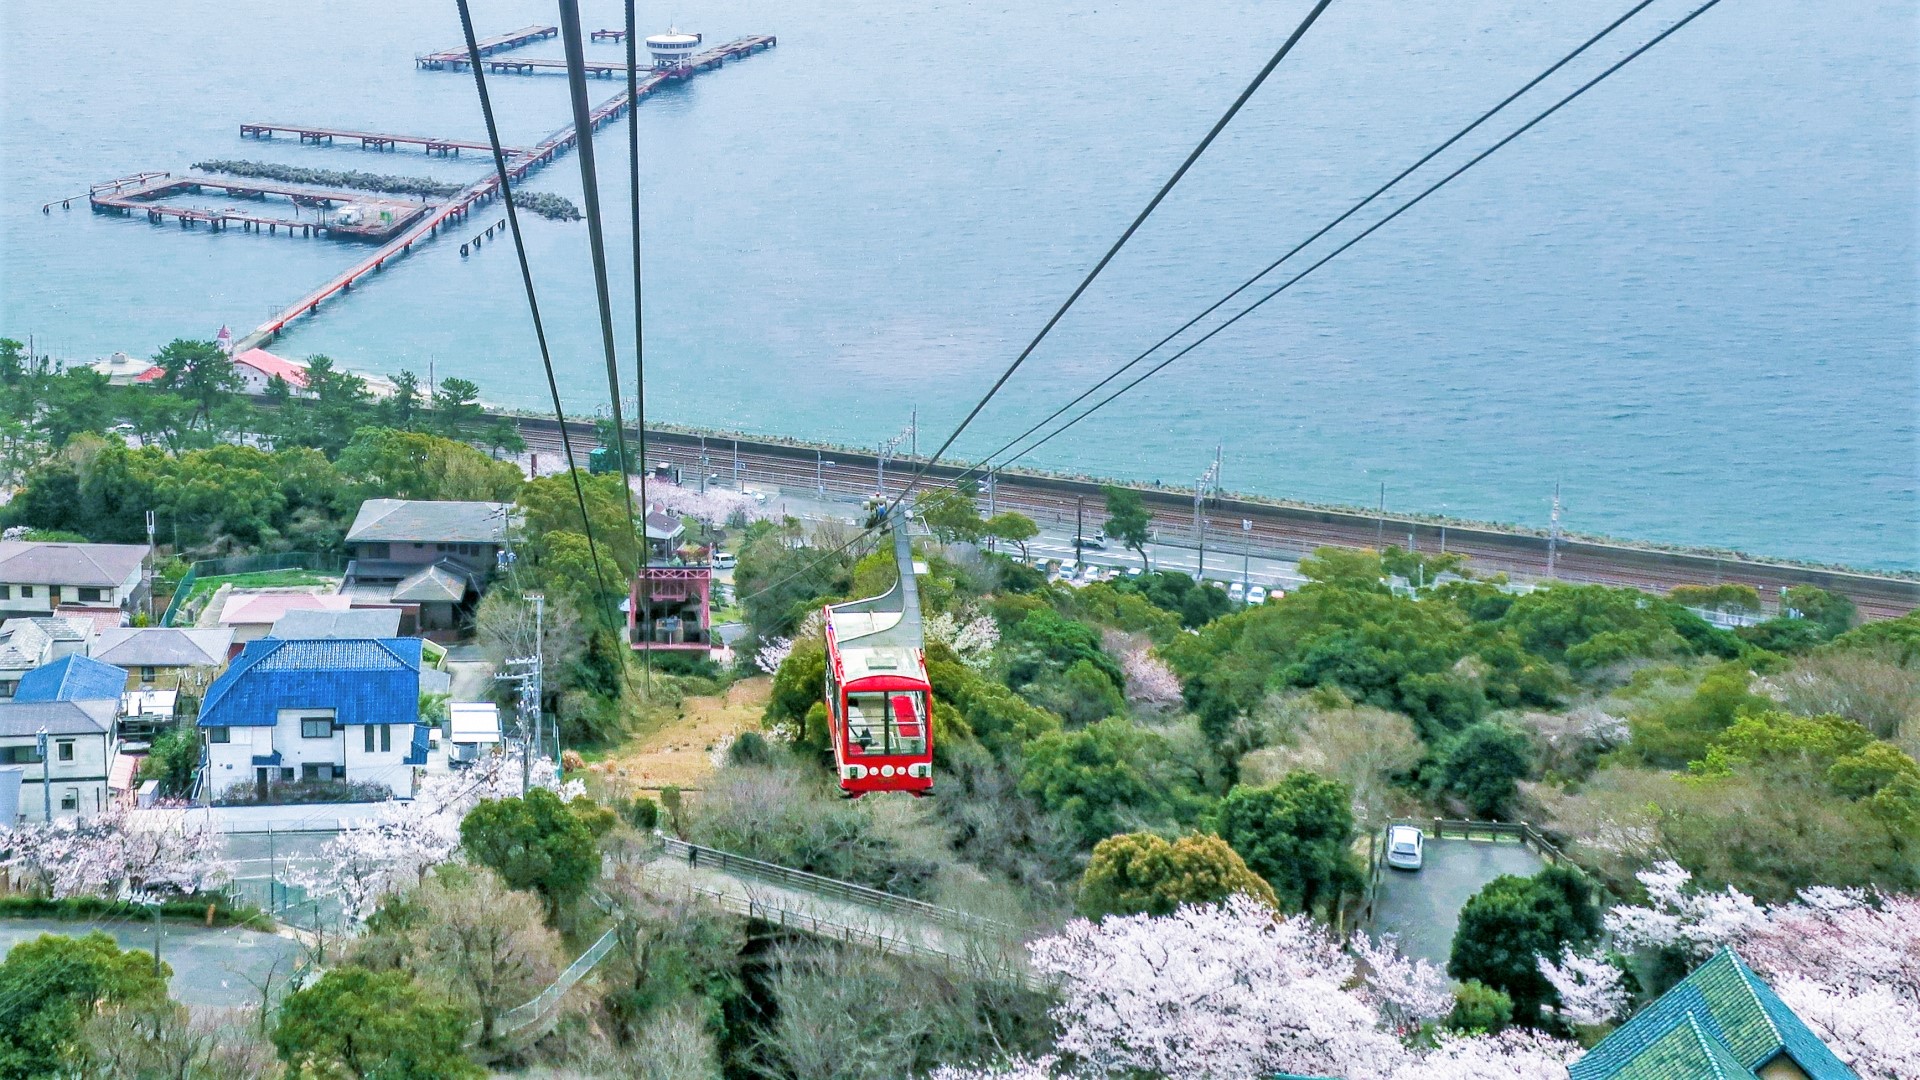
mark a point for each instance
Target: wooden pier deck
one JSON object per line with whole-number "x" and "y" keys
{"x": 387, "y": 215}
{"x": 488, "y": 46}
{"x": 608, "y": 35}
{"x": 370, "y": 140}
{"x": 485, "y": 190}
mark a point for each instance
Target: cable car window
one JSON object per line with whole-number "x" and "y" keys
{"x": 888, "y": 723}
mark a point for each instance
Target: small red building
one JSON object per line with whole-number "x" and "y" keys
{"x": 670, "y": 607}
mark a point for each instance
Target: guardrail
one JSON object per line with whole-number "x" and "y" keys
{"x": 246, "y": 564}
{"x": 524, "y": 1016}
{"x": 773, "y": 873}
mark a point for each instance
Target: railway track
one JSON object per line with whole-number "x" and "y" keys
{"x": 1278, "y": 530}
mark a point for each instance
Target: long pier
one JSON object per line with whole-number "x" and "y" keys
{"x": 370, "y": 140}
{"x": 486, "y": 189}
{"x": 607, "y": 69}
{"x": 488, "y": 46}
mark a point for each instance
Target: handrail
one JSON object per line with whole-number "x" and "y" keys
{"x": 698, "y": 854}
{"x": 1467, "y": 830}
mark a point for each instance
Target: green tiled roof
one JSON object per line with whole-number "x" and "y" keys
{"x": 1720, "y": 1021}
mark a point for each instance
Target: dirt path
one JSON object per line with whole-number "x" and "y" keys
{"x": 680, "y": 753}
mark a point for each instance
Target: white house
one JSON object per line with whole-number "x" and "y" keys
{"x": 80, "y": 742}
{"x": 40, "y": 578}
{"x": 304, "y": 710}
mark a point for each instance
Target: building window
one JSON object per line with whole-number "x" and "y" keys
{"x": 373, "y": 551}
{"x": 65, "y": 749}
{"x": 316, "y": 727}
{"x": 92, "y": 595}
{"x": 6, "y": 592}
{"x": 386, "y": 738}
{"x": 19, "y": 755}
{"x": 70, "y": 799}
{"x": 8, "y": 686}
{"x": 148, "y": 673}
{"x": 26, "y": 592}
{"x": 316, "y": 771}
{"x": 286, "y": 773}
{"x": 219, "y": 734}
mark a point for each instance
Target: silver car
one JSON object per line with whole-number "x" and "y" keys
{"x": 1406, "y": 847}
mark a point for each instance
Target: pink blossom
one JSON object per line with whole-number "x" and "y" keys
{"x": 1591, "y": 989}
{"x": 1514, "y": 1054}
{"x": 1411, "y": 991}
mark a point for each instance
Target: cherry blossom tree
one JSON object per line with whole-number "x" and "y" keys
{"x": 1149, "y": 680}
{"x": 772, "y": 653}
{"x": 1514, "y": 1054}
{"x": 1677, "y": 916}
{"x": 1407, "y": 990}
{"x": 1872, "y": 1030}
{"x": 971, "y": 636}
{"x": 107, "y": 854}
{"x": 1592, "y": 990}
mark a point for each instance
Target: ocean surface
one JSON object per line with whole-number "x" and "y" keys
{"x": 1689, "y": 298}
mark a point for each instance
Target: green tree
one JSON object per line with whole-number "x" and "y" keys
{"x": 172, "y": 759}
{"x": 1141, "y": 873}
{"x": 1014, "y": 528}
{"x": 51, "y": 986}
{"x": 534, "y": 842}
{"x": 199, "y": 371}
{"x": 1514, "y": 921}
{"x": 1678, "y": 732}
{"x": 1104, "y": 779}
{"x": 386, "y": 463}
{"x": 1420, "y": 571}
{"x": 401, "y": 410}
{"x": 1832, "y": 613}
{"x": 457, "y": 413}
{"x": 953, "y": 513}
{"x": 367, "y": 1024}
{"x": 1479, "y": 1008}
{"x": 1128, "y": 520}
{"x": 1482, "y": 765}
{"x": 1297, "y": 834}
{"x": 13, "y": 365}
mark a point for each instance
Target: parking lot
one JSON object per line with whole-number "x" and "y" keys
{"x": 1423, "y": 906}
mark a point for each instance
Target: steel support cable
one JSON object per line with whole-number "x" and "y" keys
{"x": 1139, "y": 219}
{"x": 1322, "y": 231}
{"x": 1403, "y": 208}
{"x": 533, "y": 302}
{"x": 596, "y": 236}
{"x": 639, "y": 336}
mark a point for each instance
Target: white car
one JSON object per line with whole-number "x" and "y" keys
{"x": 1406, "y": 847}
{"x": 1257, "y": 594}
{"x": 724, "y": 560}
{"x": 1236, "y": 592}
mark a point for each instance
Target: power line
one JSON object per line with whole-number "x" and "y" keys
{"x": 1322, "y": 231}
{"x": 533, "y": 302}
{"x": 639, "y": 336}
{"x": 1139, "y": 219}
{"x": 1403, "y": 208}
{"x": 570, "y": 35}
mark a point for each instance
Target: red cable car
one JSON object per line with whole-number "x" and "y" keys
{"x": 879, "y": 703}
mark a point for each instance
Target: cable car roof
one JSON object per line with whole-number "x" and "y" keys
{"x": 890, "y": 621}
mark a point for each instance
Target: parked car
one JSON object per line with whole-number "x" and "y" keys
{"x": 724, "y": 560}
{"x": 1134, "y": 571}
{"x": 1257, "y": 594}
{"x": 1236, "y": 592}
{"x": 1406, "y": 847}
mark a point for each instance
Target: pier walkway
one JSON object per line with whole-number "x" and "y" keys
{"x": 607, "y": 69}
{"x": 371, "y": 140}
{"x": 486, "y": 189}
{"x": 488, "y": 46}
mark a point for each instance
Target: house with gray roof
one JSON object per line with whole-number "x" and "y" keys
{"x": 373, "y": 622}
{"x": 165, "y": 657}
{"x": 80, "y": 743}
{"x": 428, "y": 559}
{"x": 42, "y": 578}
{"x": 23, "y": 647}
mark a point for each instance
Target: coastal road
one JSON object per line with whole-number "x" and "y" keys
{"x": 1277, "y": 532}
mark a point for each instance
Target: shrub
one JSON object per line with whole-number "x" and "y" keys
{"x": 1478, "y": 1007}
{"x": 1140, "y": 873}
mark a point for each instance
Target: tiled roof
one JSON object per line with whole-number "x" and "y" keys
{"x": 72, "y": 678}
{"x": 270, "y": 365}
{"x": 427, "y": 521}
{"x": 252, "y": 609}
{"x": 1720, "y": 1016}
{"x": 23, "y": 644}
{"x": 58, "y": 628}
{"x": 98, "y": 619}
{"x": 164, "y": 646}
{"x": 439, "y": 583}
{"x": 19, "y": 718}
{"x": 365, "y": 681}
{"x": 32, "y": 562}
{"x": 353, "y": 623}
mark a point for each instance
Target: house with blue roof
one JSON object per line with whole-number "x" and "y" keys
{"x": 1719, "y": 1023}
{"x": 72, "y": 678}
{"x": 304, "y": 710}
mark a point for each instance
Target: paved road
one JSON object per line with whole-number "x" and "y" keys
{"x": 210, "y": 967}
{"x": 1423, "y": 906}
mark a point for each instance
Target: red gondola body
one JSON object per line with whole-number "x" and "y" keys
{"x": 879, "y": 703}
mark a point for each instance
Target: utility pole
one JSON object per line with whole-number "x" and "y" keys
{"x": 703, "y": 465}
{"x": 540, "y": 664}
{"x": 1202, "y": 489}
{"x": 1380, "y": 521}
{"x": 1246, "y": 555}
{"x": 1079, "y": 507}
{"x": 736, "y": 464}
{"x": 820, "y": 473}
{"x": 46, "y": 780}
{"x": 1553, "y": 531}
{"x": 150, "y": 523}
{"x": 913, "y": 432}
{"x": 990, "y": 508}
